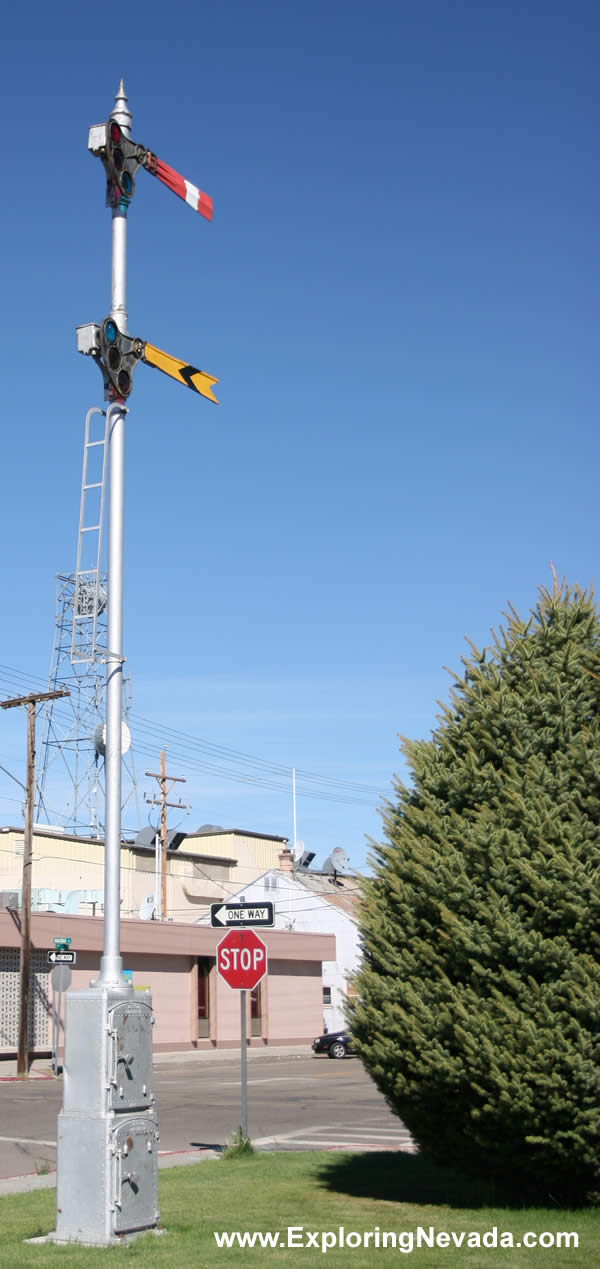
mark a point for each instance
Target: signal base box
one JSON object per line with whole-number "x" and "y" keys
{"x": 107, "y": 1147}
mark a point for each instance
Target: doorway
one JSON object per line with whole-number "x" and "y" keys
{"x": 205, "y": 967}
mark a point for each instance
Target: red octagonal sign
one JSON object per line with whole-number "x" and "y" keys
{"x": 242, "y": 959}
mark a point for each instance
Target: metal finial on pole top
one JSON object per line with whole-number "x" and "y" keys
{"x": 121, "y": 111}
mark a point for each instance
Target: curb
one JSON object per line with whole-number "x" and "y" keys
{"x": 26, "y": 1181}
{"x": 31, "y": 1075}
{"x": 177, "y": 1056}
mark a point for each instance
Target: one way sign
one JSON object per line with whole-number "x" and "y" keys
{"x": 227, "y": 915}
{"x": 62, "y": 958}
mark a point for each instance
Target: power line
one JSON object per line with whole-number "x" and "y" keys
{"x": 243, "y": 768}
{"x": 198, "y": 875}
{"x": 235, "y": 755}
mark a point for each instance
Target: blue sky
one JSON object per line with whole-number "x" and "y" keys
{"x": 398, "y": 295}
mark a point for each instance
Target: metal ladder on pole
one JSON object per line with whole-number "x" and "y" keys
{"x": 89, "y": 597}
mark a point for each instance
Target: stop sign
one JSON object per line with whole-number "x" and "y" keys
{"x": 242, "y": 959}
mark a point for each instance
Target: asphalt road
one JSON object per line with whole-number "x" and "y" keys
{"x": 297, "y": 1102}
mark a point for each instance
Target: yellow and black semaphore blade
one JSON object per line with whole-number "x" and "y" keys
{"x": 197, "y": 380}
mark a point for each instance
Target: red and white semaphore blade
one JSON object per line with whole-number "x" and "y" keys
{"x": 190, "y": 194}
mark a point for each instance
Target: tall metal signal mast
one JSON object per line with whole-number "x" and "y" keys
{"x": 70, "y": 774}
{"x": 107, "y": 1133}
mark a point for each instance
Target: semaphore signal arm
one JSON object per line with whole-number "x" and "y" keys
{"x": 116, "y": 354}
{"x": 122, "y": 157}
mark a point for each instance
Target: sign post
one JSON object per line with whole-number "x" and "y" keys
{"x": 244, "y": 1066}
{"x": 61, "y": 981}
{"x": 242, "y": 961}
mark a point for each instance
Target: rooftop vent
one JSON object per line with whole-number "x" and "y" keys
{"x": 147, "y": 837}
{"x": 305, "y": 859}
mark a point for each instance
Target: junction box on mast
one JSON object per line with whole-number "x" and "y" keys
{"x": 106, "y": 1187}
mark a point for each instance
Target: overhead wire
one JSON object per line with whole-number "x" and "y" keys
{"x": 236, "y": 755}
{"x": 200, "y": 874}
{"x": 303, "y": 907}
{"x": 242, "y": 768}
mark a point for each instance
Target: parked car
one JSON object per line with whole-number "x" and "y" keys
{"x": 336, "y": 1044}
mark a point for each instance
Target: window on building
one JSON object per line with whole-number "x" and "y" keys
{"x": 327, "y": 995}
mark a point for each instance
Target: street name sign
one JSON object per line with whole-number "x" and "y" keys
{"x": 228, "y": 915}
{"x": 61, "y": 958}
{"x": 242, "y": 959}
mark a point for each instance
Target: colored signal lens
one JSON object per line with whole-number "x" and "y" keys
{"x": 113, "y": 358}
{"x": 118, "y": 159}
{"x": 114, "y": 132}
{"x": 110, "y": 332}
{"x": 124, "y": 382}
{"x": 126, "y": 182}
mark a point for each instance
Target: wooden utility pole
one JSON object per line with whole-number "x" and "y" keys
{"x": 25, "y": 957}
{"x": 162, "y": 778}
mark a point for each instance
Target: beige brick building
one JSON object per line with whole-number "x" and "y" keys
{"x": 68, "y": 871}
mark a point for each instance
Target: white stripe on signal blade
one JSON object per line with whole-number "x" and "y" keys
{"x": 192, "y": 194}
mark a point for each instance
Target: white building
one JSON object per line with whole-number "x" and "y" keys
{"x": 316, "y": 903}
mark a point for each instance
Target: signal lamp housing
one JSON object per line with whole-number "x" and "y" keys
{"x": 120, "y": 353}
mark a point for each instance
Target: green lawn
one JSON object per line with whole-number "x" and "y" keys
{"x": 395, "y": 1193}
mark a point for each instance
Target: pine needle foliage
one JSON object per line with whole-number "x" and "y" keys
{"x": 478, "y": 1002}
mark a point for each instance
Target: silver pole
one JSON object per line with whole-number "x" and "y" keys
{"x": 59, "y": 1013}
{"x": 158, "y": 912}
{"x": 111, "y": 965}
{"x": 54, "y": 1030}
{"x": 244, "y": 1073}
{"x": 294, "y": 799}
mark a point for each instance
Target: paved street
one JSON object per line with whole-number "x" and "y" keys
{"x": 295, "y": 1102}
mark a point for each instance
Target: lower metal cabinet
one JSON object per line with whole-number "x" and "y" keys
{"x": 134, "y": 1149}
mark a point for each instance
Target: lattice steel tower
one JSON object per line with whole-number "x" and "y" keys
{"x": 70, "y": 773}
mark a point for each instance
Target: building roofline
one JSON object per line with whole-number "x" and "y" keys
{"x": 319, "y": 872}
{"x": 60, "y": 835}
{"x": 155, "y": 938}
{"x": 240, "y": 832}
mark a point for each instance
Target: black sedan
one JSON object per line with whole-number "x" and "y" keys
{"x": 336, "y": 1044}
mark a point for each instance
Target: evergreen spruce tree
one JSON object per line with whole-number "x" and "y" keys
{"x": 478, "y": 1002}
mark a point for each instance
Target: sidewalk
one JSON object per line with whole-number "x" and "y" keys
{"x": 27, "y": 1181}
{"x": 41, "y": 1068}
